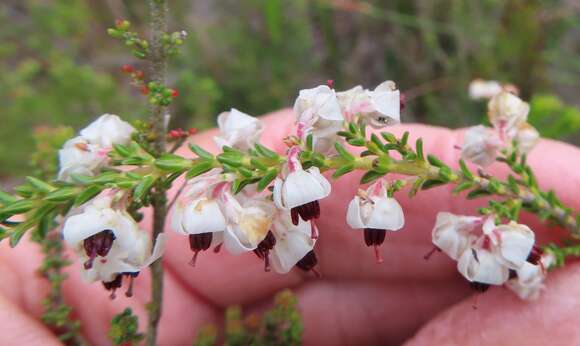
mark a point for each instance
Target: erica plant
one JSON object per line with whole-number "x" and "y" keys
{"x": 250, "y": 200}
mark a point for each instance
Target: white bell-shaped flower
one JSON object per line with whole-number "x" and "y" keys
{"x": 526, "y": 138}
{"x": 375, "y": 212}
{"x": 78, "y": 157}
{"x": 484, "y": 89}
{"x": 374, "y": 209}
{"x": 480, "y": 265}
{"x": 480, "y": 145}
{"x": 506, "y": 112}
{"x": 293, "y": 242}
{"x": 199, "y": 213}
{"x": 238, "y": 130}
{"x": 452, "y": 233}
{"x": 100, "y": 229}
{"x": 300, "y": 190}
{"x": 379, "y": 108}
{"x": 529, "y": 280}
{"x": 319, "y": 102}
{"x": 248, "y": 225}
{"x": 107, "y": 130}
{"x": 318, "y": 113}
{"x": 110, "y": 243}
{"x": 513, "y": 242}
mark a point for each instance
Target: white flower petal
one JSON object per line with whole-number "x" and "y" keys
{"x": 516, "y": 243}
{"x": 301, "y": 187}
{"x": 387, "y": 214}
{"x": 451, "y": 233}
{"x": 478, "y": 265}
{"x": 529, "y": 282}
{"x": 238, "y": 130}
{"x": 292, "y": 243}
{"x": 482, "y": 89}
{"x": 506, "y": 111}
{"x": 480, "y": 145}
{"x": 107, "y": 130}
{"x": 203, "y": 216}
{"x": 354, "y": 214}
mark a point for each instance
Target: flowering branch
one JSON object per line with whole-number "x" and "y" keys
{"x": 248, "y": 198}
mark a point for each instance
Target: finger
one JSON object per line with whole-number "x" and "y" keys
{"x": 502, "y": 319}
{"x": 369, "y": 313}
{"x": 18, "y": 328}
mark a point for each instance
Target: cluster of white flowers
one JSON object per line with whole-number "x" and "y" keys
{"x": 489, "y": 254}
{"x": 508, "y": 115}
{"x": 109, "y": 242}
{"x": 282, "y": 229}
{"x": 321, "y": 111}
{"x": 87, "y": 153}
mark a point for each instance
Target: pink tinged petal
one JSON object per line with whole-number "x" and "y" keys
{"x": 387, "y": 214}
{"x": 482, "y": 266}
{"x": 529, "y": 281}
{"x": 516, "y": 243}
{"x": 489, "y": 225}
{"x": 293, "y": 159}
{"x": 507, "y": 111}
{"x": 480, "y": 145}
{"x": 451, "y": 233}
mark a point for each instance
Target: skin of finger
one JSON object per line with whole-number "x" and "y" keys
{"x": 19, "y": 328}
{"x": 277, "y": 125}
{"x": 503, "y": 319}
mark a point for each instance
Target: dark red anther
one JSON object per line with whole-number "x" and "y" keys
{"x": 192, "y": 131}
{"x": 263, "y": 249}
{"x": 330, "y": 83}
{"x": 113, "y": 285}
{"x": 308, "y": 262}
{"x": 144, "y": 90}
{"x": 535, "y": 255}
{"x": 98, "y": 245}
{"x": 307, "y": 212}
{"x": 402, "y": 101}
{"x": 127, "y": 68}
{"x": 174, "y": 93}
{"x": 119, "y": 22}
{"x": 199, "y": 242}
{"x": 512, "y": 274}
{"x": 479, "y": 287}
{"x": 139, "y": 74}
{"x": 375, "y": 237}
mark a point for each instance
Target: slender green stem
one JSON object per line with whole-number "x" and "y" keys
{"x": 158, "y": 59}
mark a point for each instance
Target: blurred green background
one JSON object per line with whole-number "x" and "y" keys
{"x": 58, "y": 66}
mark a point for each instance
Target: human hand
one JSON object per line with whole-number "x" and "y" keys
{"x": 356, "y": 301}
